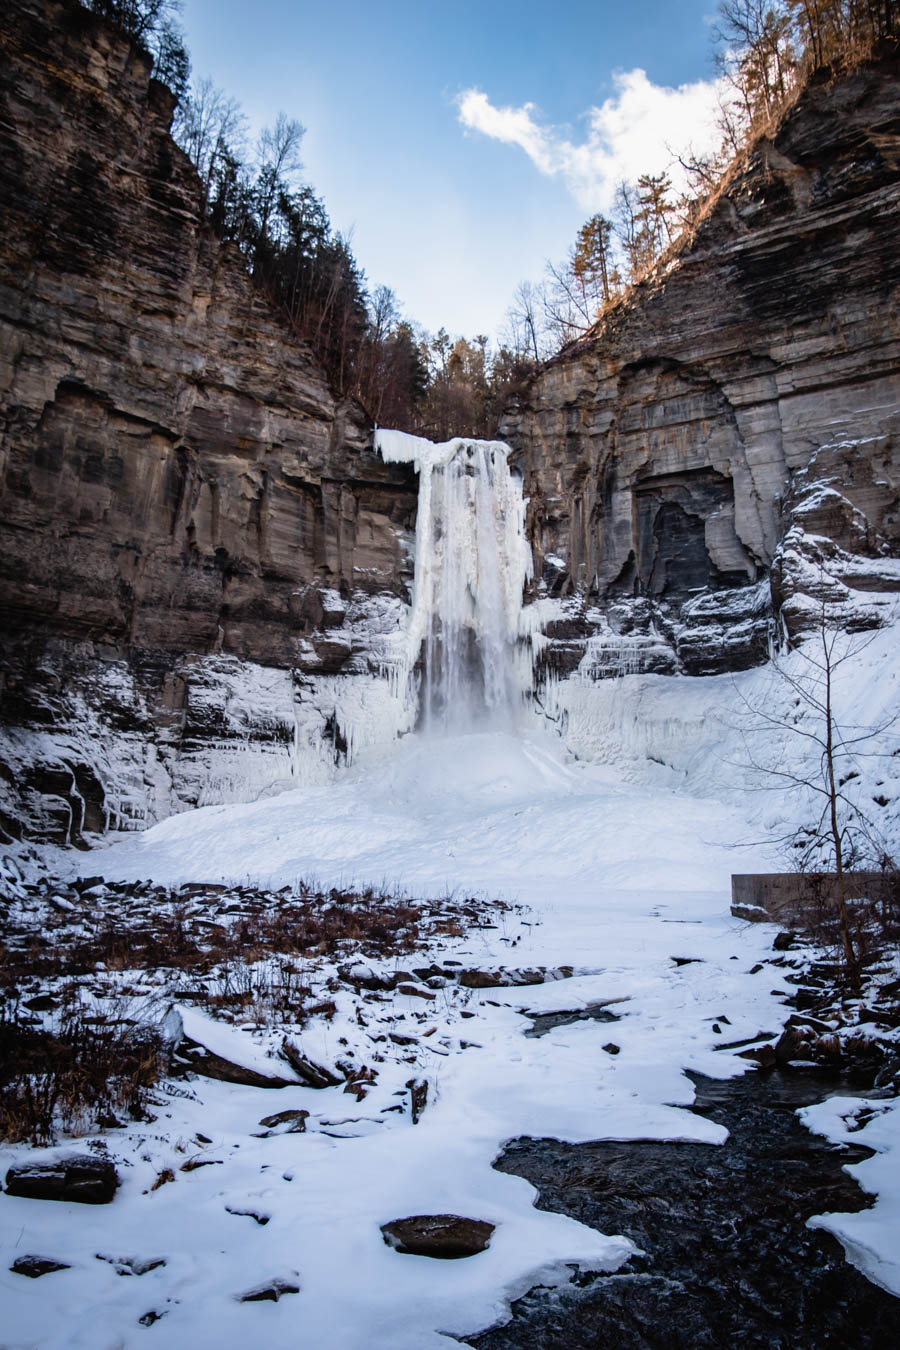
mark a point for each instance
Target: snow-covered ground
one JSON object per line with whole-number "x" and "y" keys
{"x": 614, "y": 869}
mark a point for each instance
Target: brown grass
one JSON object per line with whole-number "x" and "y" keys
{"x": 75, "y": 1075}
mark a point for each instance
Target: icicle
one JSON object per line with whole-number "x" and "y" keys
{"x": 472, "y": 562}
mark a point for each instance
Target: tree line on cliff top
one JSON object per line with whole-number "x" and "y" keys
{"x": 765, "y": 52}
{"x": 434, "y": 384}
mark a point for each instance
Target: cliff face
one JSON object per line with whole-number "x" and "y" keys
{"x": 203, "y": 565}
{"x": 177, "y": 479}
{"x": 175, "y": 470}
{"x": 664, "y": 453}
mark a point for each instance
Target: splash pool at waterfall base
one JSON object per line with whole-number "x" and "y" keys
{"x": 617, "y": 898}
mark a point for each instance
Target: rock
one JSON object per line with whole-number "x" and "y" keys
{"x": 361, "y": 977}
{"x": 793, "y": 1045}
{"x": 418, "y": 1097}
{"x": 259, "y": 1217}
{"x": 171, "y": 434}
{"x": 784, "y": 942}
{"x": 447, "y": 1237}
{"x": 198, "y": 1059}
{"x": 611, "y": 1048}
{"x": 664, "y": 451}
{"x": 89, "y": 1180}
{"x": 150, "y": 1317}
{"x": 41, "y": 1003}
{"x": 413, "y": 991}
{"x": 35, "y": 1266}
{"x": 425, "y": 973}
{"x": 270, "y": 1291}
{"x": 132, "y": 1265}
{"x": 815, "y": 1024}
{"x": 764, "y": 1055}
{"x": 294, "y": 1120}
{"x": 505, "y": 979}
{"x": 313, "y": 1075}
{"x": 751, "y": 913}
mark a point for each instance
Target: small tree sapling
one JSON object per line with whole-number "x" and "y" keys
{"x": 822, "y": 754}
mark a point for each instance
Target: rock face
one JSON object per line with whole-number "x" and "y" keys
{"x": 177, "y": 475}
{"x": 178, "y": 481}
{"x": 203, "y": 564}
{"x": 667, "y": 454}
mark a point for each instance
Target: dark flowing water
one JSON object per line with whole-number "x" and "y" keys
{"x": 728, "y": 1260}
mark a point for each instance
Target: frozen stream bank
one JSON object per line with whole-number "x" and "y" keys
{"x": 620, "y": 882}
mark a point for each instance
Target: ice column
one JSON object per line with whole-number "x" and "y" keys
{"x": 472, "y": 562}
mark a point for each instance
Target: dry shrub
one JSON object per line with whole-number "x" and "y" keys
{"x": 78, "y": 1073}
{"x": 873, "y": 921}
{"x": 314, "y": 925}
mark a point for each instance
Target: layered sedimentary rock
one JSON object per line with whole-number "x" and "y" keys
{"x": 204, "y": 566}
{"x": 178, "y": 481}
{"x": 750, "y": 385}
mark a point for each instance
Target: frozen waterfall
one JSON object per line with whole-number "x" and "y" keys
{"x": 466, "y": 634}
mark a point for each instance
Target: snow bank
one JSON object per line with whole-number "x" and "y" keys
{"x": 870, "y": 1238}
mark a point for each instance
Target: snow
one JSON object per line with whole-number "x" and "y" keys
{"x": 613, "y": 864}
{"x": 618, "y": 878}
{"x": 870, "y": 1238}
{"x": 612, "y": 877}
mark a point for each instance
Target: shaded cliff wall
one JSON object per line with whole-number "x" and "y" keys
{"x": 664, "y": 452}
{"x": 177, "y": 481}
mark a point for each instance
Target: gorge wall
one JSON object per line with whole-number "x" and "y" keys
{"x": 724, "y": 445}
{"x": 205, "y": 567}
{"x": 181, "y": 492}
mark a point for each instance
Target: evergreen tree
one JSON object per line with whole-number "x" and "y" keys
{"x": 590, "y": 264}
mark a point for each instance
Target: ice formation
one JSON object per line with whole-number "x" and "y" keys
{"x": 472, "y": 562}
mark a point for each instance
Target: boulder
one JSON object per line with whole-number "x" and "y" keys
{"x": 313, "y": 1075}
{"x": 269, "y": 1292}
{"x": 89, "y": 1180}
{"x": 447, "y": 1237}
{"x": 35, "y": 1266}
{"x": 200, "y": 1060}
{"x": 293, "y": 1121}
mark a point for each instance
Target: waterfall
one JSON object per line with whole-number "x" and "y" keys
{"x": 466, "y": 635}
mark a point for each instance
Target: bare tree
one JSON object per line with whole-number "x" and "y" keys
{"x": 755, "y": 51}
{"x": 821, "y": 754}
{"x": 278, "y": 154}
{"x": 525, "y": 320}
{"x": 208, "y": 125}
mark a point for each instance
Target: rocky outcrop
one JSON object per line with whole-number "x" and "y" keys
{"x": 177, "y": 475}
{"x": 664, "y": 453}
{"x": 204, "y": 564}
{"x": 180, "y": 487}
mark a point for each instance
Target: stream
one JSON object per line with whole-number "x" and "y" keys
{"x": 728, "y": 1260}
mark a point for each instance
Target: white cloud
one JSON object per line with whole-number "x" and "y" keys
{"x": 640, "y": 129}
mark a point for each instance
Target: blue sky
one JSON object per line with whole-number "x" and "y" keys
{"x": 464, "y": 144}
